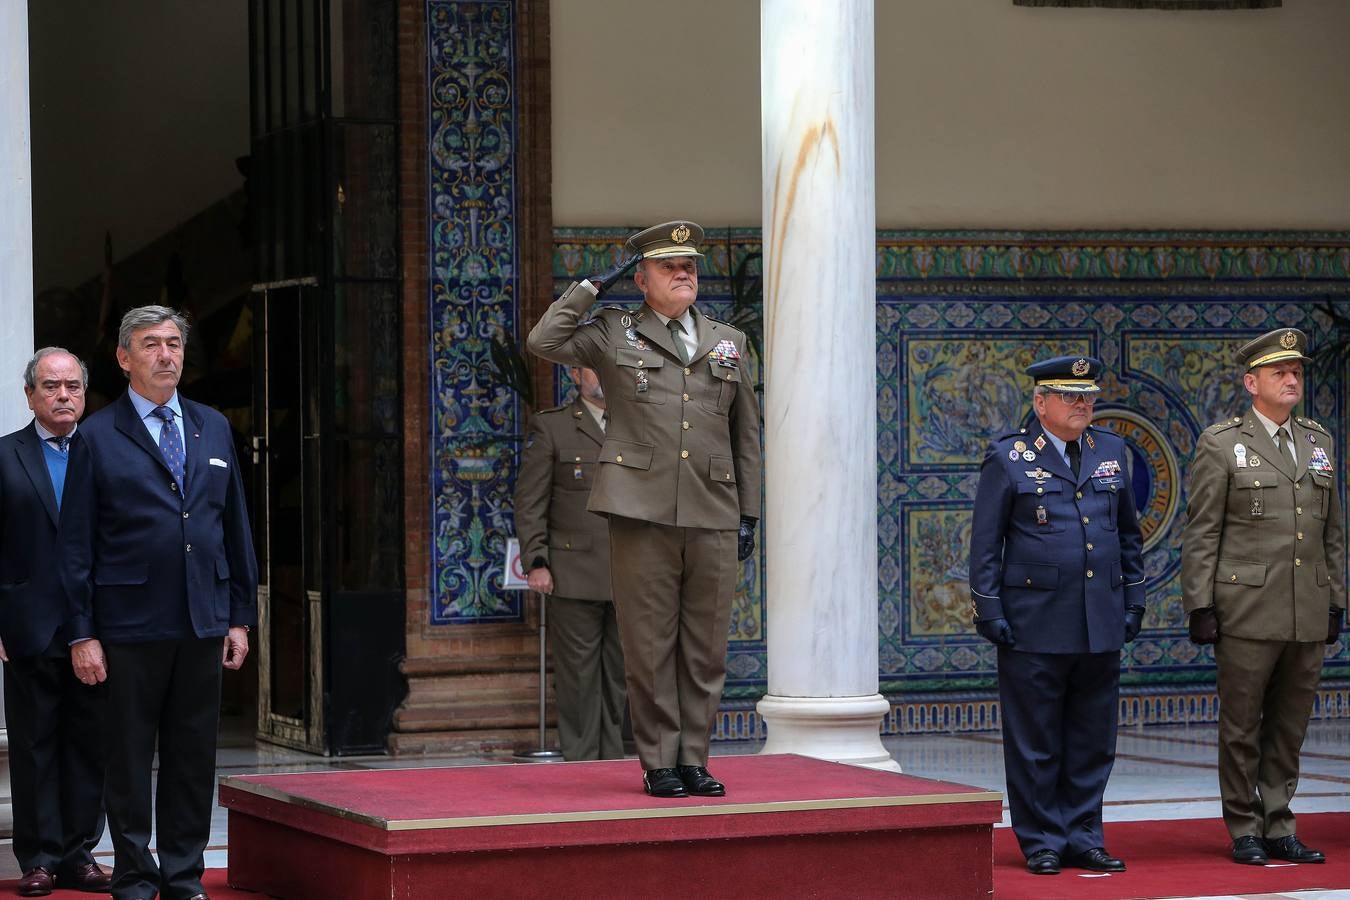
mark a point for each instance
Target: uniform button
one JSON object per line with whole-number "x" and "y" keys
{"x": 1085, "y": 520}
{"x": 189, "y": 548}
{"x": 1233, "y": 577}
{"x": 1089, "y": 573}
{"x": 1078, "y": 495}
{"x": 726, "y": 477}
{"x": 688, "y": 372}
{"x": 640, "y": 363}
{"x": 188, "y": 515}
{"x": 1256, "y": 484}
{"x": 567, "y": 546}
{"x": 173, "y": 486}
{"x": 684, "y": 425}
{"x": 1298, "y": 562}
{"x": 685, "y": 397}
{"x": 1300, "y": 535}
{"x": 619, "y": 458}
{"x": 684, "y": 454}
{"x": 1297, "y": 485}
{"x": 1089, "y": 546}
{"x": 1028, "y": 582}
{"x": 578, "y": 459}
{"x": 1040, "y": 490}
{"x": 1298, "y": 510}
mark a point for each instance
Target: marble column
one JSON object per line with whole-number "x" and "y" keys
{"x": 16, "y": 265}
{"x": 817, "y": 106}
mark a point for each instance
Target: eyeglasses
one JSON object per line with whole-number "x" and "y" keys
{"x": 1076, "y": 399}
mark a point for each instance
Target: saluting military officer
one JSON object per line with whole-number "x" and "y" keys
{"x": 678, "y": 477}
{"x": 567, "y": 551}
{"x": 1057, "y": 583}
{"x": 1262, "y": 577}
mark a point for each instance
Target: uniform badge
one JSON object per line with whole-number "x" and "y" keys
{"x": 1019, "y": 446}
{"x": 1042, "y": 517}
{"x": 1320, "y": 462}
{"x": 1312, "y": 438}
{"x": 1080, "y": 368}
{"x": 1028, "y": 456}
{"x": 1039, "y": 443}
{"x": 641, "y": 381}
{"x": 626, "y": 320}
{"x": 1253, "y": 460}
{"x": 1240, "y": 455}
{"x": 1088, "y": 438}
{"x": 576, "y": 472}
{"x": 1106, "y": 468}
{"x": 725, "y": 353}
{"x": 1014, "y": 455}
{"x": 1258, "y": 505}
{"x": 1288, "y": 340}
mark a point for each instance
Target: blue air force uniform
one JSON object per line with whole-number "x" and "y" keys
{"x": 1058, "y": 556}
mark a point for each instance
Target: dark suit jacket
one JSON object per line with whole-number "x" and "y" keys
{"x": 143, "y": 561}
{"x": 32, "y": 598}
{"x": 1059, "y": 557}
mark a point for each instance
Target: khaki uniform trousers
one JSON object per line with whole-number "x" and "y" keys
{"x": 1266, "y": 692}
{"x": 673, "y": 589}
{"x": 587, "y": 677}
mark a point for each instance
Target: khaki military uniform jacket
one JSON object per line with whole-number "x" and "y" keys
{"x": 682, "y": 446}
{"x": 557, "y": 470}
{"x": 1263, "y": 542}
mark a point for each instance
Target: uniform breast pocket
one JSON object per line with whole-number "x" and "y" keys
{"x": 1322, "y": 496}
{"x": 1040, "y": 506}
{"x": 1251, "y": 497}
{"x": 217, "y": 485}
{"x": 574, "y": 470}
{"x": 640, "y": 373}
{"x": 727, "y": 381}
{"x": 1107, "y": 491}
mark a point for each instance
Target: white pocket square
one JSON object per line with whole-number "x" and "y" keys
{"x": 218, "y": 462}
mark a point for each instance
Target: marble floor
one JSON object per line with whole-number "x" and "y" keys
{"x": 1160, "y": 773}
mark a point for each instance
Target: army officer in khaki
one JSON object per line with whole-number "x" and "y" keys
{"x": 1262, "y": 574}
{"x": 678, "y": 478}
{"x": 565, "y": 549}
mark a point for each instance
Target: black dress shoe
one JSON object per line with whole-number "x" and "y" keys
{"x": 1249, "y": 850}
{"x": 663, "y": 783}
{"x": 699, "y": 782}
{"x": 1043, "y": 862}
{"x": 1096, "y": 860}
{"x": 36, "y": 882}
{"x": 1291, "y": 849}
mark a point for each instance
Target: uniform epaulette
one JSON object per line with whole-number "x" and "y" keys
{"x": 1309, "y": 423}
{"x": 1012, "y": 434}
{"x": 552, "y": 409}
{"x": 1225, "y": 425}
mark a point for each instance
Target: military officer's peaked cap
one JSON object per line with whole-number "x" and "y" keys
{"x": 1274, "y": 346}
{"x": 1067, "y": 374}
{"x": 671, "y": 239}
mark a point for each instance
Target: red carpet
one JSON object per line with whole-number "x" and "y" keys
{"x": 213, "y": 881}
{"x": 1178, "y": 858}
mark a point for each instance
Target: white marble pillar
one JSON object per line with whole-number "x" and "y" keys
{"x": 16, "y": 262}
{"x": 817, "y": 95}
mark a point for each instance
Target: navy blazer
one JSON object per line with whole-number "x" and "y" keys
{"x": 32, "y": 597}
{"x": 145, "y": 561}
{"x": 1059, "y": 557}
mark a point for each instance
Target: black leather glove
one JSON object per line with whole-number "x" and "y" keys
{"x": 605, "y": 280}
{"x": 1134, "y": 620}
{"x": 996, "y": 631}
{"x": 1204, "y": 626}
{"x": 1333, "y": 625}
{"x": 745, "y": 539}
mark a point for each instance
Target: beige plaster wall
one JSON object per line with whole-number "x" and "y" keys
{"x": 988, "y": 115}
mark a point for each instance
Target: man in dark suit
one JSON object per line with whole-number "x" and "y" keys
{"x": 566, "y": 552}
{"x": 55, "y": 722}
{"x": 163, "y": 589}
{"x": 1057, "y": 583}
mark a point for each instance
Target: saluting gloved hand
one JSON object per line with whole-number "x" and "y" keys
{"x": 605, "y": 280}
{"x": 996, "y": 631}
{"x": 745, "y": 539}
{"x": 1134, "y": 620}
{"x": 1333, "y": 625}
{"x": 1204, "y": 626}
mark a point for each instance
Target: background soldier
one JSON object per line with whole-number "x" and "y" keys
{"x": 679, "y": 479}
{"x": 1057, "y": 582}
{"x": 567, "y": 552}
{"x": 1262, "y": 574}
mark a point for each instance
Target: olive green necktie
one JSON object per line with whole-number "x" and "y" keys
{"x": 676, "y": 336}
{"x": 1286, "y": 444}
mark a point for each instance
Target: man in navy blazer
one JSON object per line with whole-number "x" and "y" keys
{"x": 55, "y": 722}
{"x": 163, "y": 589}
{"x": 1057, "y": 583}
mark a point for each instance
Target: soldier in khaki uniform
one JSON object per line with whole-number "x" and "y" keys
{"x": 566, "y": 550}
{"x": 1262, "y": 573}
{"x": 678, "y": 477}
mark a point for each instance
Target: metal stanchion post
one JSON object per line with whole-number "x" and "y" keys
{"x": 542, "y": 753}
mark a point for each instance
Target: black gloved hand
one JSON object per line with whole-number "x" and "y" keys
{"x": 1204, "y": 626}
{"x": 1134, "y": 620}
{"x": 605, "y": 280}
{"x": 1333, "y": 625}
{"x": 745, "y": 539}
{"x": 996, "y": 631}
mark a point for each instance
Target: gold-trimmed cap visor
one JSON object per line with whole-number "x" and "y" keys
{"x": 678, "y": 238}
{"x": 1279, "y": 345}
{"x": 1070, "y": 385}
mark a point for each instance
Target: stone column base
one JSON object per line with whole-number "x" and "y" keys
{"x": 838, "y": 729}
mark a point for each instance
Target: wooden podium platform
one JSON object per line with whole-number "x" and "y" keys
{"x": 789, "y": 826}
